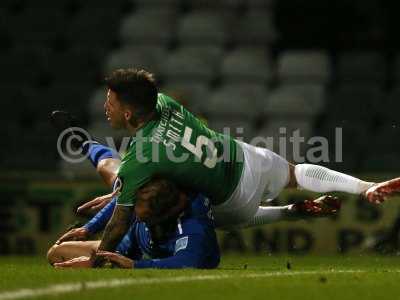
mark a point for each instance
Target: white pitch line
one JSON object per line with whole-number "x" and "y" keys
{"x": 66, "y": 288}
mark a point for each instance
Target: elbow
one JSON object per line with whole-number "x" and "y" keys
{"x": 108, "y": 170}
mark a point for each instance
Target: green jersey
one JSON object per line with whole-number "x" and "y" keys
{"x": 179, "y": 147}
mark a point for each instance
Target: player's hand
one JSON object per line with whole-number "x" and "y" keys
{"x": 95, "y": 204}
{"x": 75, "y": 234}
{"x": 78, "y": 262}
{"x": 116, "y": 259}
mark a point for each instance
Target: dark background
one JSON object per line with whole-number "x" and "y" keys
{"x": 306, "y": 64}
{"x": 260, "y": 65}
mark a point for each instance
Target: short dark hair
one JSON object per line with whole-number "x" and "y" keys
{"x": 134, "y": 87}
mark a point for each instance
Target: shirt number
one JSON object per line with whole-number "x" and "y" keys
{"x": 196, "y": 149}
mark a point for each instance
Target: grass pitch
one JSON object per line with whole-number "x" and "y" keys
{"x": 239, "y": 277}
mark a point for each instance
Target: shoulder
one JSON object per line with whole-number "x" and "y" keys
{"x": 127, "y": 164}
{"x": 199, "y": 225}
{"x": 164, "y": 101}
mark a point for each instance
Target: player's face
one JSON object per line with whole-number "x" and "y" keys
{"x": 115, "y": 111}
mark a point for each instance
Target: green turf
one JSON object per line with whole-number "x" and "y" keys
{"x": 376, "y": 278}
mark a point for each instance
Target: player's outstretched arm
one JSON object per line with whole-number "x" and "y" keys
{"x": 116, "y": 259}
{"x": 100, "y": 220}
{"x": 96, "y": 203}
{"x": 75, "y": 234}
{"x": 114, "y": 231}
{"x": 95, "y": 225}
{"x": 198, "y": 251}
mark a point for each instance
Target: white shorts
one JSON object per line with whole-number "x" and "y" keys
{"x": 265, "y": 174}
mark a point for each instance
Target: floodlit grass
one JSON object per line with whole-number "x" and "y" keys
{"x": 239, "y": 277}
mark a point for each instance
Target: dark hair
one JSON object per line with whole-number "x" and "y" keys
{"x": 134, "y": 87}
{"x": 165, "y": 204}
{"x": 163, "y": 197}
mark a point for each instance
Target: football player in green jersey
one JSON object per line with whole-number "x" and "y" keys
{"x": 170, "y": 141}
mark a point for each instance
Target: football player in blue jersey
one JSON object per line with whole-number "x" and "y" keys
{"x": 168, "y": 237}
{"x": 173, "y": 228}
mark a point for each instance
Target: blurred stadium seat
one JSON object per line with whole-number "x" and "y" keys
{"x": 148, "y": 28}
{"x": 192, "y": 64}
{"x": 203, "y": 28}
{"x": 147, "y": 57}
{"x": 306, "y": 100}
{"x": 276, "y": 134}
{"x": 237, "y": 127}
{"x": 247, "y": 65}
{"x": 296, "y": 66}
{"x": 239, "y": 101}
{"x": 255, "y": 28}
{"x": 194, "y": 95}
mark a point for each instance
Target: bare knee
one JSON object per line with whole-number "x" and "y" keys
{"x": 53, "y": 255}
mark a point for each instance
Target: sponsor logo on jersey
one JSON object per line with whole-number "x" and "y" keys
{"x": 181, "y": 244}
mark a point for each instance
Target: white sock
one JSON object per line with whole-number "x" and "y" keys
{"x": 320, "y": 179}
{"x": 269, "y": 214}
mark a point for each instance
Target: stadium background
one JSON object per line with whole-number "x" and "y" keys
{"x": 308, "y": 65}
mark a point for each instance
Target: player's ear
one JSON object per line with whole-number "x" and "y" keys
{"x": 128, "y": 115}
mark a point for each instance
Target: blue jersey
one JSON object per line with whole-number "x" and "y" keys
{"x": 193, "y": 244}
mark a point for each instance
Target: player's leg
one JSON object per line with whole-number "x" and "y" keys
{"x": 270, "y": 214}
{"x": 320, "y": 179}
{"x": 68, "y": 250}
{"x": 265, "y": 174}
{"x": 274, "y": 173}
{"x": 322, "y": 207}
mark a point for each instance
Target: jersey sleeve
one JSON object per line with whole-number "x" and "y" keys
{"x": 100, "y": 220}
{"x": 190, "y": 252}
{"x": 132, "y": 176}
